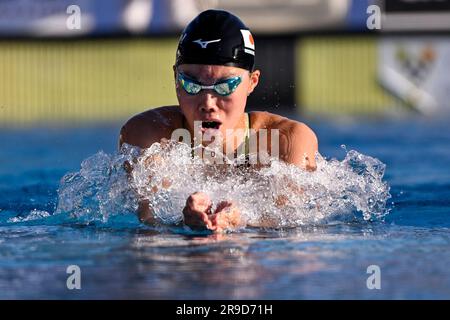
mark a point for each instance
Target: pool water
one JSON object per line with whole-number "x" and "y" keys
{"x": 122, "y": 259}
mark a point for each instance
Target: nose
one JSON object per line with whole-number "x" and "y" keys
{"x": 208, "y": 102}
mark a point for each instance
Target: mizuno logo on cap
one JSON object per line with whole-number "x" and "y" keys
{"x": 204, "y": 44}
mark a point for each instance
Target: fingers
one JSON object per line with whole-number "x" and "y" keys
{"x": 199, "y": 201}
{"x": 206, "y": 221}
{"x": 145, "y": 213}
{"x": 196, "y": 219}
{"x": 195, "y": 214}
{"x": 198, "y": 214}
{"x": 223, "y": 205}
{"x": 229, "y": 217}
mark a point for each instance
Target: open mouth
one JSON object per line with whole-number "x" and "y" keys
{"x": 210, "y": 124}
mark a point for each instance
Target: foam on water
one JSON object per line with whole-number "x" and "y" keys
{"x": 278, "y": 195}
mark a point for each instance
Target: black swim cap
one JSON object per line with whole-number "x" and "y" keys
{"x": 216, "y": 37}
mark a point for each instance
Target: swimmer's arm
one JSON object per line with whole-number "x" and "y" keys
{"x": 145, "y": 213}
{"x": 137, "y": 132}
{"x": 280, "y": 200}
{"x": 298, "y": 145}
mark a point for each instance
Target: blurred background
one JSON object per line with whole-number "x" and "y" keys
{"x": 105, "y": 60}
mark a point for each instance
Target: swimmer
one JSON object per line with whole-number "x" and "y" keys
{"x": 214, "y": 73}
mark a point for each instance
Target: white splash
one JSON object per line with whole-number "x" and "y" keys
{"x": 32, "y": 216}
{"x": 278, "y": 195}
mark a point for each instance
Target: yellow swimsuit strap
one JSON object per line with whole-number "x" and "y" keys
{"x": 247, "y": 133}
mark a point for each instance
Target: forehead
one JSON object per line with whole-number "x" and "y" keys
{"x": 209, "y": 72}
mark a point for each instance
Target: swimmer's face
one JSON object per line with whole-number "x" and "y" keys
{"x": 221, "y": 112}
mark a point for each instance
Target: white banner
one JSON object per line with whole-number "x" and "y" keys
{"x": 85, "y": 17}
{"x": 46, "y": 17}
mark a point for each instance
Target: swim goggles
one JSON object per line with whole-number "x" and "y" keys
{"x": 223, "y": 87}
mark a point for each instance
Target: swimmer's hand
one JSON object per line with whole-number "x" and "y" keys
{"x": 197, "y": 211}
{"x": 227, "y": 216}
{"x": 198, "y": 215}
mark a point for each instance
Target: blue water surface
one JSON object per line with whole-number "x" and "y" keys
{"x": 127, "y": 260}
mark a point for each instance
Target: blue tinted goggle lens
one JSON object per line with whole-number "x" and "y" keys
{"x": 223, "y": 88}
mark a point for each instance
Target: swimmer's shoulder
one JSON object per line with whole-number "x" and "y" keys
{"x": 296, "y": 138}
{"x": 151, "y": 126}
{"x": 267, "y": 120}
